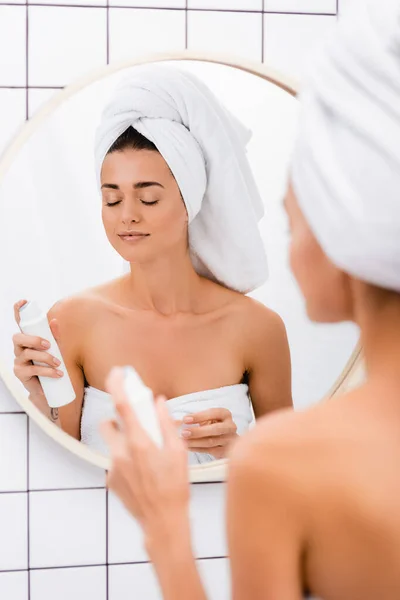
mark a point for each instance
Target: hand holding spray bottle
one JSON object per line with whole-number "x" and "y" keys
{"x": 58, "y": 392}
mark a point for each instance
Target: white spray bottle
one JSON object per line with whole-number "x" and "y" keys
{"x": 58, "y": 392}
{"x": 142, "y": 401}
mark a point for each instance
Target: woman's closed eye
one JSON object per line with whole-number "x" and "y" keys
{"x": 146, "y": 203}
{"x": 149, "y": 203}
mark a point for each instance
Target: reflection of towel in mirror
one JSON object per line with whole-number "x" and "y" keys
{"x": 346, "y": 166}
{"x": 98, "y": 406}
{"x": 205, "y": 148}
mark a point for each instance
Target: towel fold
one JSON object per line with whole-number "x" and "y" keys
{"x": 205, "y": 148}
{"x": 346, "y": 165}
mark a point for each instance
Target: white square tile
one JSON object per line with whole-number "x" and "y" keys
{"x": 81, "y": 583}
{"x": 14, "y": 586}
{"x": 67, "y": 528}
{"x": 72, "y": 2}
{"x": 139, "y": 32}
{"x": 53, "y": 467}
{"x": 13, "y": 453}
{"x": 140, "y": 578}
{"x": 290, "y": 41}
{"x": 125, "y": 537}
{"x": 65, "y": 43}
{"x": 302, "y": 6}
{"x": 12, "y": 45}
{"x": 14, "y": 531}
{"x": 7, "y": 401}
{"x": 150, "y": 3}
{"x": 226, "y": 4}
{"x": 207, "y": 515}
{"x": 38, "y": 98}
{"x": 225, "y": 32}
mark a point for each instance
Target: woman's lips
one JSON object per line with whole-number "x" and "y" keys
{"x": 133, "y": 237}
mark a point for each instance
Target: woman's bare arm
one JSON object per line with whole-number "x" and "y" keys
{"x": 65, "y": 314}
{"x": 265, "y": 521}
{"x": 62, "y": 318}
{"x": 268, "y": 361}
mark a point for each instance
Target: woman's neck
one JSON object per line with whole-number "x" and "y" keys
{"x": 379, "y": 319}
{"x": 169, "y": 285}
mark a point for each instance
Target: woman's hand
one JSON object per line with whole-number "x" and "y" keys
{"x": 27, "y": 349}
{"x": 212, "y": 431}
{"x": 152, "y": 482}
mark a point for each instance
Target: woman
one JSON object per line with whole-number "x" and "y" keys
{"x": 319, "y": 489}
{"x": 181, "y": 206}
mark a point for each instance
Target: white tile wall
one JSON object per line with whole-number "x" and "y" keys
{"x": 135, "y": 32}
{"x": 65, "y": 43}
{"x": 226, "y": 4}
{"x": 241, "y": 33}
{"x": 13, "y": 453}
{"x": 13, "y": 45}
{"x": 142, "y": 579}
{"x": 14, "y": 585}
{"x": 37, "y": 98}
{"x": 150, "y": 3}
{"x": 12, "y": 115}
{"x": 50, "y": 467}
{"x": 67, "y": 528}
{"x": 82, "y": 583}
{"x": 14, "y": 529}
{"x": 78, "y": 534}
{"x": 301, "y": 6}
{"x": 291, "y": 40}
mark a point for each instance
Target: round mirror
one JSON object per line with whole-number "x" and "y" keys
{"x": 53, "y": 246}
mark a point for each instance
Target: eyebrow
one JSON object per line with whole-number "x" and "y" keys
{"x": 139, "y": 185}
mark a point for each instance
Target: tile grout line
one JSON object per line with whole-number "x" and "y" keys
{"x": 26, "y": 60}
{"x": 28, "y": 506}
{"x": 107, "y": 525}
{"x": 164, "y": 8}
{"x": 108, "y": 32}
{"x": 186, "y": 24}
{"x": 262, "y": 31}
{"x": 96, "y": 565}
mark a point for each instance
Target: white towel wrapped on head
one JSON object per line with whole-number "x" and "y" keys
{"x": 205, "y": 148}
{"x": 346, "y": 165}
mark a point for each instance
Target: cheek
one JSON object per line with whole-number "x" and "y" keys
{"x": 170, "y": 223}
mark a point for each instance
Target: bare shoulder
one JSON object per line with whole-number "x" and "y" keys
{"x": 262, "y": 320}
{"x": 254, "y": 317}
{"x": 84, "y": 306}
{"x": 311, "y": 446}
{"x": 288, "y": 448}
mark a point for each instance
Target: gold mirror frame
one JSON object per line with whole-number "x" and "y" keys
{"x": 216, "y": 470}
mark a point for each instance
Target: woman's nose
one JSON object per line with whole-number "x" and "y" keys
{"x": 131, "y": 213}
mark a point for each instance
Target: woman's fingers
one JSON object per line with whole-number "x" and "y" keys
{"x": 27, "y": 355}
{"x": 17, "y": 306}
{"x": 214, "y": 430}
{"x": 210, "y": 442}
{"x": 212, "y": 414}
{"x": 22, "y": 341}
{"x": 25, "y": 372}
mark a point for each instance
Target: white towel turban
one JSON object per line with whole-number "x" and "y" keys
{"x": 205, "y": 148}
{"x": 346, "y": 164}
